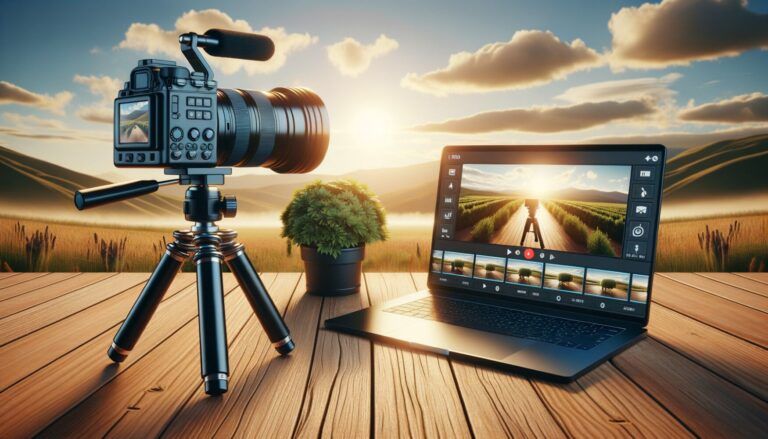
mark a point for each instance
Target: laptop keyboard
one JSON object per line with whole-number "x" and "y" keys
{"x": 560, "y": 331}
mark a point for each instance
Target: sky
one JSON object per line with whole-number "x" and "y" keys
{"x": 543, "y": 180}
{"x": 402, "y": 79}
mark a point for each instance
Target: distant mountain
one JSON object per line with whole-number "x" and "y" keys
{"x": 142, "y": 114}
{"x": 36, "y": 186}
{"x": 722, "y": 169}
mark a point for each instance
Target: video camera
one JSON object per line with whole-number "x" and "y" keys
{"x": 166, "y": 116}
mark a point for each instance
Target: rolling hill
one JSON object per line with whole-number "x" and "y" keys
{"x": 36, "y": 186}
{"x": 721, "y": 169}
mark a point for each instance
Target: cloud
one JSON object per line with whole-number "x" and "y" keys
{"x": 682, "y": 140}
{"x": 625, "y": 89}
{"x": 545, "y": 119}
{"x": 353, "y": 58}
{"x": 32, "y": 121}
{"x": 13, "y": 94}
{"x": 591, "y": 175}
{"x": 106, "y": 89}
{"x": 677, "y": 32}
{"x": 153, "y": 39}
{"x": 37, "y": 128}
{"x": 739, "y": 109}
{"x": 529, "y": 58}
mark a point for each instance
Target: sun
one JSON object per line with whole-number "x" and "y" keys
{"x": 540, "y": 187}
{"x": 372, "y": 126}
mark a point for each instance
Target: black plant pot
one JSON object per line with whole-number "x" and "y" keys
{"x": 329, "y": 276}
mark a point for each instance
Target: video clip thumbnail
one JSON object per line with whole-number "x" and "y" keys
{"x": 639, "y": 291}
{"x": 527, "y": 273}
{"x": 564, "y": 278}
{"x": 489, "y": 267}
{"x": 460, "y": 264}
{"x": 603, "y": 283}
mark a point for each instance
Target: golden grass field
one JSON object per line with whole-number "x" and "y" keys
{"x": 82, "y": 247}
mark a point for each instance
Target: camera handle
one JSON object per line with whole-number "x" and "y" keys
{"x": 189, "y": 47}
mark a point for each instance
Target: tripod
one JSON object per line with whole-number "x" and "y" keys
{"x": 208, "y": 246}
{"x": 532, "y": 223}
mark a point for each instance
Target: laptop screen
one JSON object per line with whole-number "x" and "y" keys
{"x": 572, "y": 226}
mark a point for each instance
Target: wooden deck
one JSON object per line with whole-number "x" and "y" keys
{"x": 703, "y": 371}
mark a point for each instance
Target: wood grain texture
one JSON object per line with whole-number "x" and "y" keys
{"x": 703, "y": 370}
{"x": 4, "y": 275}
{"x": 139, "y": 401}
{"x": 733, "y": 318}
{"x": 337, "y": 401}
{"x": 41, "y": 295}
{"x": 736, "y": 360}
{"x": 757, "y": 277}
{"x": 250, "y": 356}
{"x": 707, "y": 404}
{"x": 722, "y": 289}
{"x": 27, "y": 354}
{"x": 408, "y": 384}
{"x": 32, "y": 285}
{"x": 32, "y": 319}
{"x": 742, "y": 281}
{"x": 19, "y": 278}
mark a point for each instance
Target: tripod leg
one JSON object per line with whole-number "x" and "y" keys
{"x": 525, "y": 230}
{"x": 537, "y": 231}
{"x": 213, "y": 330}
{"x": 149, "y": 298}
{"x": 257, "y": 295}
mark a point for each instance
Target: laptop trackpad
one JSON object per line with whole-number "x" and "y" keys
{"x": 444, "y": 338}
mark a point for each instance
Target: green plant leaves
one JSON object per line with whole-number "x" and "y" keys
{"x": 334, "y": 216}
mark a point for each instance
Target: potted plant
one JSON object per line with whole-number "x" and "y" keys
{"x": 332, "y": 222}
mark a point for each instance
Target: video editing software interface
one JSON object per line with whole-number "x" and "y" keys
{"x": 572, "y": 227}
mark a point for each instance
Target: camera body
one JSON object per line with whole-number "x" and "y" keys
{"x": 165, "y": 116}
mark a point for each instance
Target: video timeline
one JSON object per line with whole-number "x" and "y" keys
{"x": 567, "y": 284}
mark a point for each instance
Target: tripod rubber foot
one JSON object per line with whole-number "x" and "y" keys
{"x": 286, "y": 348}
{"x": 115, "y": 355}
{"x": 216, "y": 386}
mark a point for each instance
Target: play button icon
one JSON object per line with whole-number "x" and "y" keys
{"x": 528, "y": 253}
{"x": 509, "y": 252}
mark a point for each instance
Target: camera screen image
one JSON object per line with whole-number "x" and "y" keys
{"x": 134, "y": 122}
{"x": 572, "y": 208}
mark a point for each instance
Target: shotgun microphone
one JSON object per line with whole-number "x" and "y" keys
{"x": 241, "y": 45}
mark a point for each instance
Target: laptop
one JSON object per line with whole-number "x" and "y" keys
{"x": 541, "y": 262}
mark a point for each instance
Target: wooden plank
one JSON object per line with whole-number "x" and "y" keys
{"x": 32, "y": 285}
{"x": 735, "y": 319}
{"x": 134, "y": 401}
{"x": 32, "y": 319}
{"x": 604, "y": 403}
{"x": 746, "y": 284}
{"x": 19, "y": 278}
{"x": 408, "y": 384}
{"x": 736, "y": 360}
{"x": 90, "y": 362}
{"x": 707, "y": 404}
{"x": 4, "y": 275}
{"x": 250, "y": 355}
{"x": 41, "y": 295}
{"x": 272, "y": 405}
{"x": 608, "y": 404}
{"x": 724, "y": 290}
{"x": 337, "y": 402}
{"x": 25, "y": 355}
{"x": 757, "y": 277}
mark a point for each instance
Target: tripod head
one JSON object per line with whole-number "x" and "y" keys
{"x": 202, "y": 202}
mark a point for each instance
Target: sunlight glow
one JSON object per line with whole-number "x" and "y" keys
{"x": 373, "y": 127}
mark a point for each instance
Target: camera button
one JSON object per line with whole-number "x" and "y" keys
{"x": 140, "y": 157}
{"x": 129, "y": 157}
{"x": 191, "y": 155}
{"x": 208, "y": 134}
{"x": 176, "y": 155}
{"x": 177, "y": 134}
{"x": 206, "y": 115}
{"x": 193, "y": 134}
{"x": 190, "y": 101}
{"x": 206, "y": 155}
{"x": 190, "y": 114}
{"x": 198, "y": 114}
{"x": 207, "y": 102}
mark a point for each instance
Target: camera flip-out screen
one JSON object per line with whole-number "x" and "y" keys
{"x": 134, "y": 122}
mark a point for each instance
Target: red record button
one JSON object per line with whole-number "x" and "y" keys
{"x": 528, "y": 253}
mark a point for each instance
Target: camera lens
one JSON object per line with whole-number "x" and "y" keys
{"x": 285, "y": 129}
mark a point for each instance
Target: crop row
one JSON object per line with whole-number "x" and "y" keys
{"x": 596, "y": 241}
{"x": 468, "y": 216}
{"x": 612, "y": 225}
{"x": 486, "y": 227}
